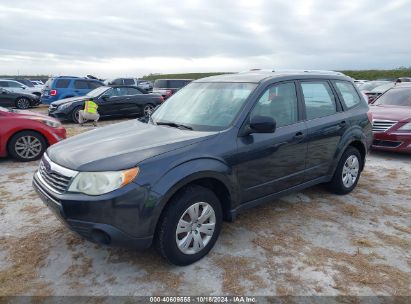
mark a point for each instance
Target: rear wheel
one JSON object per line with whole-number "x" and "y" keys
{"x": 75, "y": 114}
{"x": 22, "y": 103}
{"x": 348, "y": 172}
{"x": 190, "y": 226}
{"x": 27, "y": 146}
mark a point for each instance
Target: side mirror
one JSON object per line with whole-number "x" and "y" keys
{"x": 262, "y": 124}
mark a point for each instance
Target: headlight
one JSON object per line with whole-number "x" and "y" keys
{"x": 406, "y": 127}
{"x": 97, "y": 183}
{"x": 50, "y": 123}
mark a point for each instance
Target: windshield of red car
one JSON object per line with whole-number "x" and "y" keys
{"x": 396, "y": 97}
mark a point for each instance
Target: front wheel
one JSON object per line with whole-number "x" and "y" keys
{"x": 22, "y": 103}
{"x": 189, "y": 226}
{"x": 27, "y": 146}
{"x": 75, "y": 115}
{"x": 148, "y": 110}
{"x": 348, "y": 172}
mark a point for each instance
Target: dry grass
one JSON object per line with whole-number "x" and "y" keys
{"x": 237, "y": 272}
{"x": 405, "y": 229}
{"x": 26, "y": 255}
{"x": 350, "y": 210}
{"x": 393, "y": 240}
{"x": 32, "y": 209}
{"x": 362, "y": 242}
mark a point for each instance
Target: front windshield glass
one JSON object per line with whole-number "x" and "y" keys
{"x": 204, "y": 106}
{"x": 97, "y": 92}
{"x": 368, "y": 86}
{"x": 395, "y": 97}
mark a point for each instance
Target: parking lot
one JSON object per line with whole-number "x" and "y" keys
{"x": 308, "y": 243}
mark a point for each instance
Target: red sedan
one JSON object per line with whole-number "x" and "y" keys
{"x": 26, "y": 135}
{"x": 391, "y": 115}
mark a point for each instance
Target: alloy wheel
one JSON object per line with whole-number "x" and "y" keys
{"x": 350, "y": 171}
{"x": 148, "y": 110}
{"x": 28, "y": 147}
{"x": 195, "y": 228}
{"x": 23, "y": 103}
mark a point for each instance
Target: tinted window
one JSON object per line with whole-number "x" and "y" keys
{"x": 94, "y": 85}
{"x": 280, "y": 103}
{"x": 121, "y": 91}
{"x": 160, "y": 83}
{"x": 62, "y": 83}
{"x": 3, "y": 84}
{"x": 133, "y": 91}
{"x": 319, "y": 99}
{"x": 176, "y": 83}
{"x": 117, "y": 81}
{"x": 348, "y": 93}
{"x": 128, "y": 81}
{"x": 81, "y": 84}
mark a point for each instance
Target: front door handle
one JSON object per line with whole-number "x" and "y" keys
{"x": 299, "y": 135}
{"x": 342, "y": 124}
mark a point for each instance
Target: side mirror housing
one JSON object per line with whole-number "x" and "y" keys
{"x": 262, "y": 124}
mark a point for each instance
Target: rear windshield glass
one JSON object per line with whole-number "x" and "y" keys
{"x": 62, "y": 83}
{"x": 160, "y": 83}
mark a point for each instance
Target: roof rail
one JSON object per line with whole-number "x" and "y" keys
{"x": 325, "y": 72}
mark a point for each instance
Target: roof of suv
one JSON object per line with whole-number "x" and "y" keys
{"x": 260, "y": 75}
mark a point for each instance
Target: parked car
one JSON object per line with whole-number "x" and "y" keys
{"x": 17, "y": 87}
{"x": 18, "y": 100}
{"x": 38, "y": 84}
{"x": 141, "y": 83}
{"x": 221, "y": 145}
{"x": 367, "y": 88}
{"x": 62, "y": 87}
{"x": 359, "y": 82}
{"x": 111, "y": 100}
{"x": 391, "y": 114}
{"x": 403, "y": 79}
{"x": 167, "y": 87}
{"x": 25, "y": 135}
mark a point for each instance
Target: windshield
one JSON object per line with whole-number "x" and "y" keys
{"x": 97, "y": 92}
{"x": 396, "y": 97}
{"x": 204, "y": 106}
{"x": 371, "y": 85}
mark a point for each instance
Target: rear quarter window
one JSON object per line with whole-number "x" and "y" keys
{"x": 81, "y": 84}
{"x": 94, "y": 85}
{"x": 347, "y": 93}
{"x": 62, "y": 83}
{"x": 128, "y": 81}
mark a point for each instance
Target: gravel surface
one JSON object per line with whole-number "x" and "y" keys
{"x": 307, "y": 243}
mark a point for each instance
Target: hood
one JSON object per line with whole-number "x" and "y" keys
{"x": 390, "y": 112}
{"x": 121, "y": 146}
{"x": 29, "y": 114}
{"x": 68, "y": 100}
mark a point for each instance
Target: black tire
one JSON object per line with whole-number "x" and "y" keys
{"x": 147, "y": 106}
{"x": 23, "y": 103}
{"x": 166, "y": 238}
{"x": 17, "y": 141}
{"x": 337, "y": 185}
{"x": 75, "y": 113}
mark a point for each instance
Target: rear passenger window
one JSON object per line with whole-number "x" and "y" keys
{"x": 94, "y": 85}
{"x": 4, "y": 84}
{"x": 62, "y": 83}
{"x": 319, "y": 99}
{"x": 133, "y": 91}
{"x": 348, "y": 93}
{"x": 81, "y": 84}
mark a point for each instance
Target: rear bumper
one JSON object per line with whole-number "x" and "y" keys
{"x": 395, "y": 142}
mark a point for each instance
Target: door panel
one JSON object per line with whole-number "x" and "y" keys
{"x": 7, "y": 99}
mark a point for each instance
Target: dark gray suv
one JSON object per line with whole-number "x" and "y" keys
{"x": 217, "y": 147}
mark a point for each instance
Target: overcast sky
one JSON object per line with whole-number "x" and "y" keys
{"x": 133, "y": 38}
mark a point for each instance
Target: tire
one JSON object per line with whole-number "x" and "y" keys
{"x": 178, "y": 211}
{"x": 348, "y": 172}
{"x": 75, "y": 114}
{"x": 22, "y": 103}
{"x": 148, "y": 110}
{"x": 27, "y": 146}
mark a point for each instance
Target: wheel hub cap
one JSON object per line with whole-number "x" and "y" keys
{"x": 195, "y": 228}
{"x": 28, "y": 147}
{"x": 350, "y": 171}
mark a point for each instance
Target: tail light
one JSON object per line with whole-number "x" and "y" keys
{"x": 169, "y": 93}
{"x": 53, "y": 92}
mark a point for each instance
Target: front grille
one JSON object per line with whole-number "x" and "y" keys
{"x": 382, "y": 125}
{"x": 386, "y": 143}
{"x": 54, "y": 176}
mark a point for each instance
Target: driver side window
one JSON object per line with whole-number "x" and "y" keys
{"x": 279, "y": 102}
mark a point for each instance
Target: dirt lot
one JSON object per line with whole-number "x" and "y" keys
{"x": 308, "y": 243}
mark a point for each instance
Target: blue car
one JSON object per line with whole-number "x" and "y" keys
{"x": 67, "y": 86}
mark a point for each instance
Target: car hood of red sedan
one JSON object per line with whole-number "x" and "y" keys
{"x": 29, "y": 114}
{"x": 390, "y": 112}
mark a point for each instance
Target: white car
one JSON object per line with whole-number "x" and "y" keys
{"x": 17, "y": 87}
{"x": 38, "y": 84}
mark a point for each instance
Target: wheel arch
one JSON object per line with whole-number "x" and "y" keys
{"x": 8, "y": 140}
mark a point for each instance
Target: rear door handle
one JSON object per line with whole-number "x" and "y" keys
{"x": 342, "y": 124}
{"x": 299, "y": 135}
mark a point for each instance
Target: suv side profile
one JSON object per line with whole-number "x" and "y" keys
{"x": 219, "y": 146}
{"x": 67, "y": 86}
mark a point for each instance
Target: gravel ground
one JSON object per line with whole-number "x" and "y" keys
{"x": 307, "y": 243}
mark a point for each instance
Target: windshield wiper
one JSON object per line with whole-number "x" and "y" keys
{"x": 173, "y": 124}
